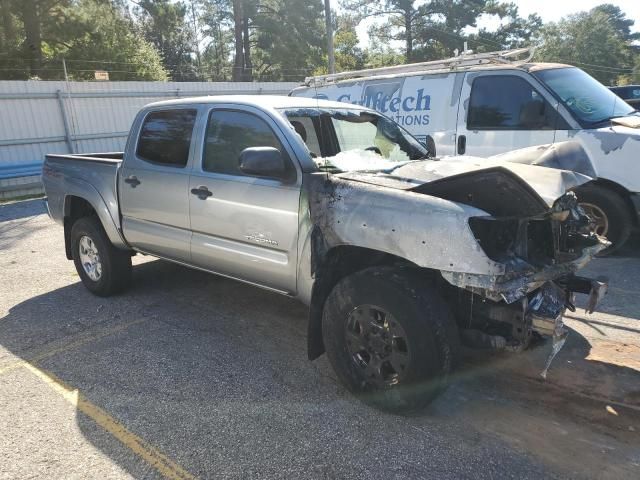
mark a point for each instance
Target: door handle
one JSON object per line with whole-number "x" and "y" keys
{"x": 132, "y": 180}
{"x": 201, "y": 192}
{"x": 462, "y": 144}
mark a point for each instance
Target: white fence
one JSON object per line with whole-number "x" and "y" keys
{"x": 40, "y": 117}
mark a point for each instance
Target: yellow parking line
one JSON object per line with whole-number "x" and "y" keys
{"x": 70, "y": 346}
{"x": 166, "y": 467}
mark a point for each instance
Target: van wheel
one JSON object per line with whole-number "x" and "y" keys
{"x": 103, "y": 268}
{"x": 608, "y": 213}
{"x": 390, "y": 338}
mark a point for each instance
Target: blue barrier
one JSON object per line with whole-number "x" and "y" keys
{"x": 17, "y": 170}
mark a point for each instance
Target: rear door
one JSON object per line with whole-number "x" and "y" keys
{"x": 244, "y": 226}
{"x": 502, "y": 111}
{"x": 153, "y": 184}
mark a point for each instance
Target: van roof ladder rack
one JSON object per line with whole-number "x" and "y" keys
{"x": 462, "y": 60}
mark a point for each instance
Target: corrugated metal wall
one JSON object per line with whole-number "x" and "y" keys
{"x": 39, "y": 117}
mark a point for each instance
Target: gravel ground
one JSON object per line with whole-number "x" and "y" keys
{"x": 189, "y": 374}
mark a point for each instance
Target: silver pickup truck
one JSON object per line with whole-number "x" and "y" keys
{"x": 399, "y": 256}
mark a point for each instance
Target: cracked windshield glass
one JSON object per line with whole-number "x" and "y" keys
{"x": 343, "y": 140}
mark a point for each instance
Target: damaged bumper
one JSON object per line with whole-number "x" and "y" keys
{"x": 517, "y": 283}
{"x": 546, "y": 310}
{"x": 539, "y": 256}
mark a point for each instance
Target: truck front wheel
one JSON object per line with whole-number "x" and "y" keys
{"x": 608, "y": 213}
{"x": 103, "y": 269}
{"x": 390, "y": 338}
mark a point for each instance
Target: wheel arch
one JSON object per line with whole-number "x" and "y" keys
{"x": 624, "y": 194}
{"x": 337, "y": 263}
{"x": 77, "y": 206}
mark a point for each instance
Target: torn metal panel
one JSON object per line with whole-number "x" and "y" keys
{"x": 406, "y": 224}
{"x": 502, "y": 252}
{"x": 388, "y": 212}
{"x": 569, "y": 155}
{"x": 521, "y": 277}
{"x": 549, "y": 184}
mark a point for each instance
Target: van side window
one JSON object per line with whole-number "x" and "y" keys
{"x": 508, "y": 102}
{"x": 229, "y": 133}
{"x": 165, "y": 137}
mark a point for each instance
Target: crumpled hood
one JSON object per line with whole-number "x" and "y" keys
{"x": 549, "y": 183}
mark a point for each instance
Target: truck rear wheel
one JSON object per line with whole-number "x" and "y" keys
{"x": 390, "y": 338}
{"x": 608, "y": 213}
{"x": 103, "y": 269}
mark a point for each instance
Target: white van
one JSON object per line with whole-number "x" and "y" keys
{"x": 487, "y": 104}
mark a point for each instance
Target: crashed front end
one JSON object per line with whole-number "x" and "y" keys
{"x": 540, "y": 255}
{"x": 535, "y": 237}
{"x": 507, "y": 239}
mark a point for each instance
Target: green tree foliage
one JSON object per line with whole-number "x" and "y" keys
{"x": 514, "y": 31}
{"x": 590, "y": 40}
{"x": 349, "y": 55}
{"x": 249, "y": 40}
{"x": 289, "y": 38}
{"x": 90, "y": 34}
{"x": 619, "y": 21}
{"x": 428, "y": 30}
{"x": 164, "y": 24}
{"x": 263, "y": 39}
{"x": 216, "y": 22}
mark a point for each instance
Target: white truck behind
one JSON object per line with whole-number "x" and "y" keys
{"x": 488, "y": 104}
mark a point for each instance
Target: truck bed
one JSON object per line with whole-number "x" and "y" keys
{"x": 91, "y": 176}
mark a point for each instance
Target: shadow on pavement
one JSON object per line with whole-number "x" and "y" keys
{"x": 22, "y": 209}
{"x": 214, "y": 374}
{"x": 216, "y": 377}
{"x": 24, "y": 212}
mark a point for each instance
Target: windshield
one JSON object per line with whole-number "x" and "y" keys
{"x": 348, "y": 140}
{"x": 587, "y": 99}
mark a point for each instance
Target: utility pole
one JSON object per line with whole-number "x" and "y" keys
{"x": 327, "y": 18}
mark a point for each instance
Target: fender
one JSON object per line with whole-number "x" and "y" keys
{"x": 75, "y": 187}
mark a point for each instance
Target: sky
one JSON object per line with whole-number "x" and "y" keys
{"x": 549, "y": 10}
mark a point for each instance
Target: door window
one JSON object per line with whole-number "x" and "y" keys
{"x": 165, "y": 137}
{"x": 508, "y": 103}
{"x": 229, "y": 133}
{"x": 306, "y": 129}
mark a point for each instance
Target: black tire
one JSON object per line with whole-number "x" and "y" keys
{"x": 115, "y": 275}
{"x": 431, "y": 339}
{"x": 615, "y": 210}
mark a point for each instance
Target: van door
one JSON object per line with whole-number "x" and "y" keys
{"x": 504, "y": 110}
{"x": 153, "y": 184}
{"x": 244, "y": 226}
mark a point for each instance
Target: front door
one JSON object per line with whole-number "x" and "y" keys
{"x": 153, "y": 185}
{"x": 502, "y": 111}
{"x": 244, "y": 226}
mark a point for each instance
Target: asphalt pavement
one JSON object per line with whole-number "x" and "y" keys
{"x": 192, "y": 375}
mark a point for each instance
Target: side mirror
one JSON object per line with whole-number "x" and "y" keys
{"x": 263, "y": 162}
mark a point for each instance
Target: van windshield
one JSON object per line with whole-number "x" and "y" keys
{"x": 347, "y": 140}
{"x": 587, "y": 99}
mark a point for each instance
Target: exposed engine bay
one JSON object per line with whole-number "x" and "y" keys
{"x": 534, "y": 244}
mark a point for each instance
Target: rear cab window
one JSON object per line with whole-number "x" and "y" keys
{"x": 165, "y": 137}
{"x": 508, "y": 102}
